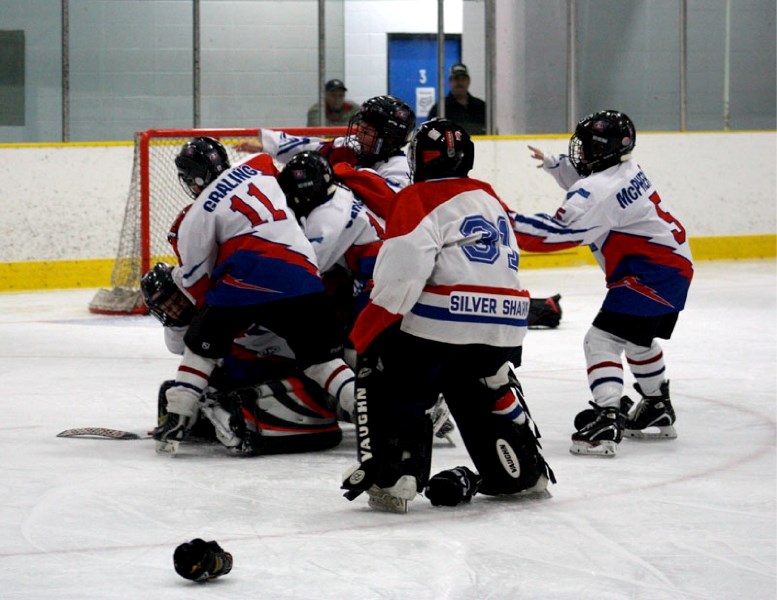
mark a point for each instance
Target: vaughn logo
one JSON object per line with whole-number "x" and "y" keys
{"x": 509, "y": 458}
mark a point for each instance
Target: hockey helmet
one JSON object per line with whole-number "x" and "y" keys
{"x": 200, "y": 161}
{"x": 601, "y": 140}
{"x": 440, "y": 148}
{"x": 307, "y": 181}
{"x": 381, "y": 128}
{"x": 164, "y": 298}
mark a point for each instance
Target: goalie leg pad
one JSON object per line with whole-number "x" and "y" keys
{"x": 393, "y": 440}
{"x": 280, "y": 417}
{"x": 506, "y": 454}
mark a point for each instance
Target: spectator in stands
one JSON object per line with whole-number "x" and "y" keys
{"x": 338, "y": 110}
{"x": 462, "y": 107}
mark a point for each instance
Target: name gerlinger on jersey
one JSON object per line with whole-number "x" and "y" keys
{"x": 448, "y": 269}
{"x": 343, "y": 231}
{"x": 641, "y": 247}
{"x": 240, "y": 244}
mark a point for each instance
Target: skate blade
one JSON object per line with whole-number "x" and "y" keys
{"x": 667, "y": 432}
{"x": 168, "y": 447}
{"x": 383, "y": 501}
{"x": 605, "y": 449}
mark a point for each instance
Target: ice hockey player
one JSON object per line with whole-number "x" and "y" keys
{"x": 612, "y": 207}
{"x": 370, "y": 159}
{"x": 257, "y": 401}
{"x": 345, "y": 234}
{"x": 446, "y": 315}
{"x": 244, "y": 260}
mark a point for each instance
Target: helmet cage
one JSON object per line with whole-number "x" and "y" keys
{"x": 601, "y": 140}
{"x": 381, "y": 128}
{"x": 164, "y": 298}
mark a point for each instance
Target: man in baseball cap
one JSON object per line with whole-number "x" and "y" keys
{"x": 338, "y": 110}
{"x": 460, "y": 106}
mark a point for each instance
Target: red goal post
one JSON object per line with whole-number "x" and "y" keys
{"x": 155, "y": 198}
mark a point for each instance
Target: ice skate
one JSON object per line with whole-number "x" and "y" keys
{"x": 393, "y": 499}
{"x": 600, "y": 430}
{"x": 653, "y": 418}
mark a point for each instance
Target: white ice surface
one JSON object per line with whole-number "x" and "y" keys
{"x": 690, "y": 518}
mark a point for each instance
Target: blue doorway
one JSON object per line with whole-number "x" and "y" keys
{"x": 412, "y": 68}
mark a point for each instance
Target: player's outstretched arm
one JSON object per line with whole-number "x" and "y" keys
{"x": 537, "y": 154}
{"x": 250, "y": 146}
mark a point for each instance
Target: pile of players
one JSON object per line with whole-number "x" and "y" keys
{"x": 360, "y": 284}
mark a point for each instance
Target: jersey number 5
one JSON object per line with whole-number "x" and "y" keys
{"x": 679, "y": 232}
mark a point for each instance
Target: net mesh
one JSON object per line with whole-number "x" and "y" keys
{"x": 165, "y": 199}
{"x": 156, "y": 197}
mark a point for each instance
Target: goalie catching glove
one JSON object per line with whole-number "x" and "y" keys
{"x": 201, "y": 561}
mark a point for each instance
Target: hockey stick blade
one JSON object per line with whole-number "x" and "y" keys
{"x": 103, "y": 433}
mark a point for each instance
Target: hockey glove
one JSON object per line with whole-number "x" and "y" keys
{"x": 200, "y": 561}
{"x": 545, "y": 312}
{"x": 452, "y": 487}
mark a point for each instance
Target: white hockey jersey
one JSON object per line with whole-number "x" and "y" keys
{"x": 375, "y": 185}
{"x": 344, "y": 232}
{"x": 448, "y": 269}
{"x": 642, "y": 248}
{"x": 240, "y": 243}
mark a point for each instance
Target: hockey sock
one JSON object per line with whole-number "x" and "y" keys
{"x": 337, "y": 379}
{"x": 604, "y": 366}
{"x": 647, "y": 366}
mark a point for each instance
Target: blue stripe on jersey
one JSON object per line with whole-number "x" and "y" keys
{"x": 443, "y": 314}
{"x": 287, "y": 147}
{"x": 547, "y": 223}
{"x": 582, "y": 191}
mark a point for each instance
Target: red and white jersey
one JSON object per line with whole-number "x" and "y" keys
{"x": 343, "y": 231}
{"x": 448, "y": 269}
{"x": 375, "y": 185}
{"x": 642, "y": 248}
{"x": 240, "y": 243}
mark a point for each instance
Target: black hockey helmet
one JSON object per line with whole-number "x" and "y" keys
{"x": 393, "y": 121}
{"x": 307, "y": 181}
{"x": 164, "y": 298}
{"x": 200, "y": 161}
{"x": 440, "y": 148}
{"x": 601, "y": 140}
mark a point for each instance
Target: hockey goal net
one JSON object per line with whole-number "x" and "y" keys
{"x": 155, "y": 198}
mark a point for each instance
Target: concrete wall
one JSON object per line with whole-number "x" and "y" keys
{"x": 66, "y": 202}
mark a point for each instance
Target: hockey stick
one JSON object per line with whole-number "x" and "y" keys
{"x": 103, "y": 433}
